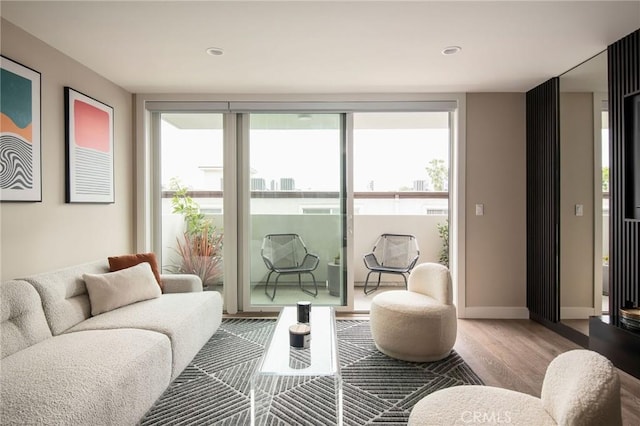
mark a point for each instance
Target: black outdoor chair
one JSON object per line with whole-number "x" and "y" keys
{"x": 286, "y": 254}
{"x": 391, "y": 254}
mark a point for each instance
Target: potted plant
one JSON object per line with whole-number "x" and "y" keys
{"x": 200, "y": 246}
{"x": 443, "y": 232}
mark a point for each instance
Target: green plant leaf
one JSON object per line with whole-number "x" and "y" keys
{"x": 200, "y": 249}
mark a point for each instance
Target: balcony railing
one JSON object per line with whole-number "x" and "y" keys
{"x": 320, "y": 194}
{"x": 367, "y": 227}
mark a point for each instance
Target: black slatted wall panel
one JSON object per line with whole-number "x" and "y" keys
{"x": 624, "y": 80}
{"x": 543, "y": 201}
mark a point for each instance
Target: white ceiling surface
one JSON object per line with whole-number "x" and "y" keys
{"x": 326, "y": 47}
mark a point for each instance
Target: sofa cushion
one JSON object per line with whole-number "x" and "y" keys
{"x": 188, "y": 319}
{"x": 117, "y": 263}
{"x": 124, "y": 287}
{"x": 88, "y": 378}
{"x": 64, "y": 294}
{"x": 22, "y": 320}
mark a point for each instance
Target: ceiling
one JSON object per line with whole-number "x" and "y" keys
{"x": 319, "y": 47}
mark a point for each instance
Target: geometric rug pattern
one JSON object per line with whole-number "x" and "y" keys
{"x": 377, "y": 390}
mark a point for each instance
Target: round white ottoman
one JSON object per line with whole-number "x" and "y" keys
{"x": 412, "y": 326}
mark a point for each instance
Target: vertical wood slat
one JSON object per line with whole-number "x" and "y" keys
{"x": 624, "y": 80}
{"x": 543, "y": 200}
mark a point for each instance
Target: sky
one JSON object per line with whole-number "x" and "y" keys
{"x": 391, "y": 158}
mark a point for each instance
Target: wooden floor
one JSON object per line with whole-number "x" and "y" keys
{"x": 514, "y": 354}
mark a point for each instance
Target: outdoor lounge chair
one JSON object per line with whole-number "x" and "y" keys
{"x": 391, "y": 254}
{"x": 286, "y": 254}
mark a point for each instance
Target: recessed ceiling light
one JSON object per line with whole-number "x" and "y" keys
{"x": 215, "y": 51}
{"x": 451, "y": 50}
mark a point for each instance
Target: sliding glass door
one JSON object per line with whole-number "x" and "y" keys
{"x": 191, "y": 201}
{"x": 294, "y": 199}
{"x": 401, "y": 186}
{"x": 296, "y": 189}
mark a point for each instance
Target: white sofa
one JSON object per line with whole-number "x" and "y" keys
{"x": 62, "y": 366}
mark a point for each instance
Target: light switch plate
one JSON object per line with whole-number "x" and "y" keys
{"x": 479, "y": 209}
{"x": 579, "y": 209}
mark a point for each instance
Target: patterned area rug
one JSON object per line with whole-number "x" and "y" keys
{"x": 377, "y": 390}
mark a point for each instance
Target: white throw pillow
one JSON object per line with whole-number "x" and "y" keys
{"x": 124, "y": 287}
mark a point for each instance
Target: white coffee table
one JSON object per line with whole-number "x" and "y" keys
{"x": 299, "y": 386}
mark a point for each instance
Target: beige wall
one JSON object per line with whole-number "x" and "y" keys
{"x": 496, "y": 177}
{"x": 37, "y": 237}
{"x": 576, "y": 187}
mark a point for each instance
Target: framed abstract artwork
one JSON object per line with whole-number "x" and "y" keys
{"x": 89, "y": 143}
{"x": 20, "y": 144}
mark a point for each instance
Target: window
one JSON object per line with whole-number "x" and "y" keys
{"x": 296, "y": 161}
{"x": 304, "y": 173}
{"x": 191, "y": 170}
{"x": 401, "y": 162}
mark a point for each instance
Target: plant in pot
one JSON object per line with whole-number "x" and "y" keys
{"x": 443, "y": 232}
{"x": 200, "y": 246}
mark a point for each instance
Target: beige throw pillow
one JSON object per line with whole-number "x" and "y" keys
{"x": 124, "y": 287}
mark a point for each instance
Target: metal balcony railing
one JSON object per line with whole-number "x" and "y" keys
{"x": 321, "y": 194}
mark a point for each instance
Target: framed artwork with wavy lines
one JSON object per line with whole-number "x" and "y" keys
{"x": 89, "y": 137}
{"x": 20, "y": 145}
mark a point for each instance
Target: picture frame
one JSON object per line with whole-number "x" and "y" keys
{"x": 20, "y": 132}
{"x": 89, "y": 149}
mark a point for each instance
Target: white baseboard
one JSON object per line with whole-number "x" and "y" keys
{"x": 577, "y": 313}
{"x": 494, "y": 312}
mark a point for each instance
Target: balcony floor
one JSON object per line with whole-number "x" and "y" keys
{"x": 290, "y": 294}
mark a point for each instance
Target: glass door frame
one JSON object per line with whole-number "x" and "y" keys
{"x": 146, "y": 168}
{"x": 346, "y": 202}
{"x": 229, "y": 190}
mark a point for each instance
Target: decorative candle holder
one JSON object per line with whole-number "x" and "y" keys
{"x": 304, "y": 312}
{"x": 300, "y": 336}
